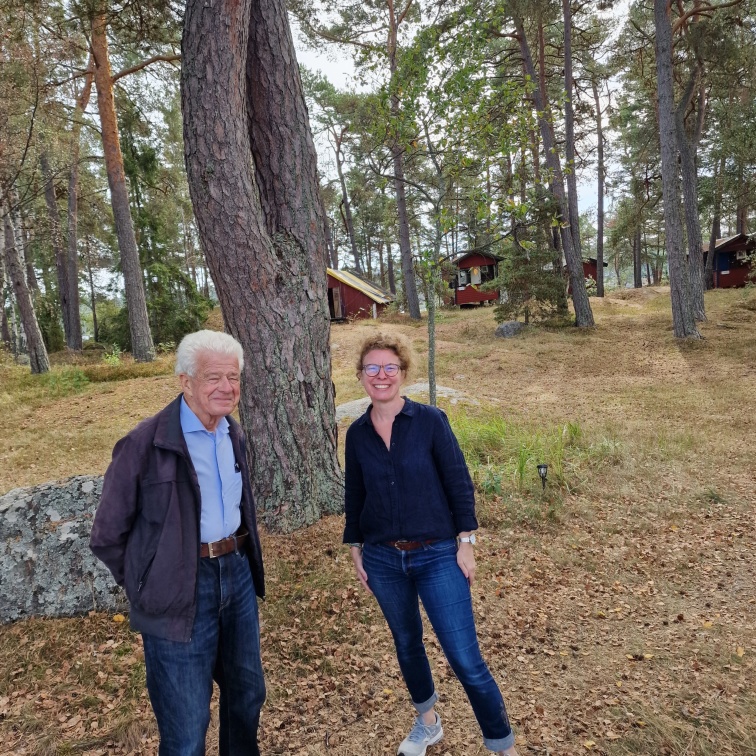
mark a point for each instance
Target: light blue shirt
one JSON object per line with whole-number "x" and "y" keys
{"x": 218, "y": 474}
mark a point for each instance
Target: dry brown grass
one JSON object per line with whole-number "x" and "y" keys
{"x": 617, "y": 611}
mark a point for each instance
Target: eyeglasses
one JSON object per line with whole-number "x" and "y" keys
{"x": 389, "y": 370}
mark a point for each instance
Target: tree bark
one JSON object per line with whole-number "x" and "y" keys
{"x": 687, "y": 150}
{"x": 583, "y": 313}
{"x": 347, "y": 210}
{"x": 56, "y": 239}
{"x": 38, "y": 359}
{"x": 73, "y": 209}
{"x": 391, "y": 277}
{"x": 600, "y": 190}
{"x": 569, "y": 134}
{"x": 253, "y": 181}
{"x": 716, "y": 222}
{"x": 683, "y": 320}
{"x": 637, "y": 262}
{"x": 332, "y": 254}
{"x": 5, "y": 334}
{"x": 139, "y": 325}
{"x": 409, "y": 283}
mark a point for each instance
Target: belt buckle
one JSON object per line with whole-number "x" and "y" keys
{"x": 210, "y": 551}
{"x": 398, "y": 544}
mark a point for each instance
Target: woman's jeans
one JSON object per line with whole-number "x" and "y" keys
{"x": 225, "y": 646}
{"x": 398, "y": 578}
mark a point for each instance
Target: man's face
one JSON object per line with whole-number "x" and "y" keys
{"x": 214, "y": 389}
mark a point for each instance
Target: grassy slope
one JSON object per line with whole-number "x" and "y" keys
{"x": 617, "y": 610}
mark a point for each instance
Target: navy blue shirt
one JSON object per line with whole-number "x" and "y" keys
{"x": 420, "y": 489}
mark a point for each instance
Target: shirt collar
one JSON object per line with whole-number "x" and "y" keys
{"x": 190, "y": 423}
{"x": 408, "y": 409}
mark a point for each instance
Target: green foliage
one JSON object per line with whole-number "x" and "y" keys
{"x": 113, "y": 357}
{"x": 533, "y": 288}
{"x": 126, "y": 369}
{"x": 175, "y": 309}
{"x": 60, "y": 382}
{"x": 47, "y": 310}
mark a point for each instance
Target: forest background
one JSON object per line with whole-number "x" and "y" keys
{"x": 468, "y": 131}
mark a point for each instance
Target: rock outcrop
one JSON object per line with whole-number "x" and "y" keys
{"x": 46, "y": 567}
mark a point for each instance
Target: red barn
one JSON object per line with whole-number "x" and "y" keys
{"x": 350, "y": 296}
{"x": 733, "y": 262}
{"x": 472, "y": 271}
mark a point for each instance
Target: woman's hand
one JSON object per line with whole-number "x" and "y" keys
{"x": 358, "y": 568}
{"x": 466, "y": 561}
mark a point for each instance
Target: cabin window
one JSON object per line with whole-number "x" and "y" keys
{"x": 462, "y": 277}
{"x": 487, "y": 273}
{"x": 475, "y": 275}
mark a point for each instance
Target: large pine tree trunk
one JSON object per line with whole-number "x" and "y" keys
{"x": 253, "y": 180}
{"x": 14, "y": 266}
{"x": 683, "y": 320}
{"x": 580, "y": 301}
{"x": 139, "y": 325}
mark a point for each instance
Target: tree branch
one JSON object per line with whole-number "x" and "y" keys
{"x": 703, "y": 10}
{"x": 139, "y": 66}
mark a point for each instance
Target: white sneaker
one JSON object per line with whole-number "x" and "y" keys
{"x": 421, "y": 736}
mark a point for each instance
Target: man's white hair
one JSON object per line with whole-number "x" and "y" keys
{"x": 201, "y": 342}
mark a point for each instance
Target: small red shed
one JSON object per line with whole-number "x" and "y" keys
{"x": 472, "y": 271}
{"x": 350, "y": 296}
{"x": 733, "y": 261}
{"x": 590, "y": 268}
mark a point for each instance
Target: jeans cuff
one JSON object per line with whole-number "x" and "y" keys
{"x": 499, "y": 744}
{"x": 426, "y": 706}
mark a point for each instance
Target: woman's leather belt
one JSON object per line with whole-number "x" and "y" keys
{"x": 410, "y": 545}
{"x": 224, "y": 546}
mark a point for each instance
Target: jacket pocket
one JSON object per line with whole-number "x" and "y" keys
{"x": 161, "y": 564}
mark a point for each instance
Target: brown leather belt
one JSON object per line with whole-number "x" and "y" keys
{"x": 410, "y": 545}
{"x": 224, "y": 546}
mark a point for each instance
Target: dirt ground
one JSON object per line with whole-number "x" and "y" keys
{"x": 624, "y": 622}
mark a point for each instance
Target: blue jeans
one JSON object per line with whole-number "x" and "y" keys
{"x": 225, "y": 647}
{"x": 398, "y": 578}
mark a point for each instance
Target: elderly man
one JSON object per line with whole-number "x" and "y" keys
{"x": 176, "y": 527}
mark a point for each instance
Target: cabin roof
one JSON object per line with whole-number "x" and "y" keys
{"x": 736, "y": 240}
{"x": 464, "y": 257}
{"x": 369, "y": 289}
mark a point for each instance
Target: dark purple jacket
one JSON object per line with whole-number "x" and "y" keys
{"x": 146, "y": 529}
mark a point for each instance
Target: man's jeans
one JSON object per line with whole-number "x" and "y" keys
{"x": 397, "y": 578}
{"x": 225, "y": 646}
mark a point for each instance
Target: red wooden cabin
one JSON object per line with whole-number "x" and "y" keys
{"x": 590, "y": 268}
{"x": 472, "y": 271}
{"x": 733, "y": 262}
{"x": 350, "y": 296}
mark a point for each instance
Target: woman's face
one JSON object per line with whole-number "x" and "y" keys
{"x": 381, "y": 387}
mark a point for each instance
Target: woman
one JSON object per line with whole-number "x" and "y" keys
{"x": 410, "y": 513}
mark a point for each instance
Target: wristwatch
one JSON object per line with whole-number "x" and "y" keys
{"x": 467, "y": 539}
